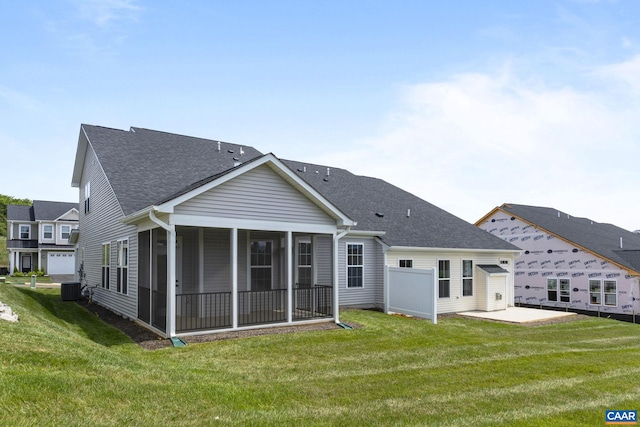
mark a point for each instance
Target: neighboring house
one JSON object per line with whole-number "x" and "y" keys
{"x": 569, "y": 262}
{"x": 38, "y": 237}
{"x": 188, "y": 236}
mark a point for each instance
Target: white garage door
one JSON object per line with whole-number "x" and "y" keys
{"x": 61, "y": 263}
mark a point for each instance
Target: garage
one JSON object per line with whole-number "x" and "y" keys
{"x": 61, "y": 263}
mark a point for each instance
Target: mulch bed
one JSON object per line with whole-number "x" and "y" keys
{"x": 151, "y": 341}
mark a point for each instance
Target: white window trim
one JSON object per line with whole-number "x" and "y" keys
{"x": 297, "y": 258}
{"x": 604, "y": 293}
{"x": 346, "y": 252}
{"x": 20, "y": 231}
{"x": 448, "y": 278}
{"x": 102, "y": 265}
{"x": 558, "y": 290}
{"x": 61, "y": 232}
{"x": 472, "y": 277}
{"x": 405, "y": 259}
{"x": 53, "y": 232}
{"x": 119, "y": 247}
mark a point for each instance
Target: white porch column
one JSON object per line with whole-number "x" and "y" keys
{"x": 289, "y": 265}
{"x": 336, "y": 298}
{"x": 234, "y": 278}
{"x": 201, "y": 261}
{"x": 171, "y": 281}
{"x": 12, "y": 262}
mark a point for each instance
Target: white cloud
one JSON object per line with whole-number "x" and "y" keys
{"x": 104, "y": 12}
{"x": 476, "y": 140}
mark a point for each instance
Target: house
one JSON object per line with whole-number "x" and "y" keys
{"x": 38, "y": 237}
{"x": 569, "y": 262}
{"x": 189, "y": 235}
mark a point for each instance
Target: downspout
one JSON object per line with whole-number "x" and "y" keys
{"x": 171, "y": 273}
{"x": 336, "y": 298}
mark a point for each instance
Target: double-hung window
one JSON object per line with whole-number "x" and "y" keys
{"x": 47, "y": 231}
{"x": 261, "y": 262}
{"x": 355, "y": 265}
{"x": 87, "y": 195}
{"x": 559, "y": 290}
{"x": 65, "y": 232}
{"x": 106, "y": 264}
{"x": 467, "y": 278}
{"x": 599, "y": 293}
{"x": 444, "y": 278}
{"x": 25, "y": 231}
{"x": 122, "y": 280}
{"x": 304, "y": 263}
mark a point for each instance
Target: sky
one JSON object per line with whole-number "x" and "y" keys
{"x": 467, "y": 104}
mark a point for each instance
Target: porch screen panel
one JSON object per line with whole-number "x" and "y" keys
{"x": 261, "y": 261}
{"x": 144, "y": 277}
{"x": 159, "y": 280}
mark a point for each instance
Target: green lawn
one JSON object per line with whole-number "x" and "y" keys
{"x": 60, "y": 365}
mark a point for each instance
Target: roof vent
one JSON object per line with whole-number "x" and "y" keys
{"x": 408, "y": 213}
{"x": 621, "y": 243}
{"x": 241, "y": 151}
{"x": 230, "y": 151}
{"x": 325, "y": 179}
{"x": 328, "y": 171}
{"x": 558, "y": 214}
{"x": 379, "y": 214}
{"x": 218, "y": 149}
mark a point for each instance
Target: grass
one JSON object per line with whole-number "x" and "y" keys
{"x": 61, "y": 365}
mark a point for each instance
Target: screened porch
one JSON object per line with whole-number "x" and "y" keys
{"x": 279, "y": 277}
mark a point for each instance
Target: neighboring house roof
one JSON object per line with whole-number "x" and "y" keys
{"x": 41, "y": 210}
{"x": 20, "y": 213}
{"x": 599, "y": 238}
{"x": 146, "y": 167}
{"x": 49, "y": 211}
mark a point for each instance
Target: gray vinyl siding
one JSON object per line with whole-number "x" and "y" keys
{"x": 370, "y": 293}
{"x": 259, "y": 194}
{"x": 101, "y": 225}
{"x": 323, "y": 253}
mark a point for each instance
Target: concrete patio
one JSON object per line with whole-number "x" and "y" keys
{"x": 518, "y": 315}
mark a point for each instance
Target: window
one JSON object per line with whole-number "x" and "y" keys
{"x": 405, "y": 263}
{"x": 563, "y": 291}
{"x": 355, "y": 265}
{"x": 610, "y": 294}
{"x": 106, "y": 264}
{"x": 606, "y": 293}
{"x": 65, "y": 231}
{"x": 304, "y": 263}
{"x": 122, "y": 280}
{"x": 261, "y": 257}
{"x": 87, "y": 194}
{"x": 25, "y": 231}
{"x": 47, "y": 231}
{"x": 467, "y": 278}
{"x": 444, "y": 279}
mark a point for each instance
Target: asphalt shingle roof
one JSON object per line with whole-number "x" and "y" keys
{"x": 599, "y": 238}
{"x": 41, "y": 210}
{"x": 147, "y": 167}
{"x": 144, "y": 166}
